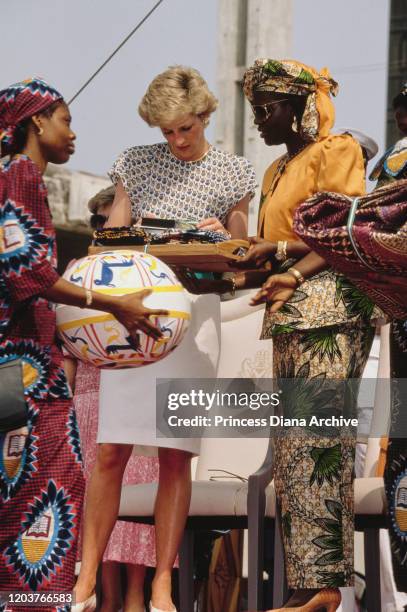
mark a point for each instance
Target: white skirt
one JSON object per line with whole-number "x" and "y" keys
{"x": 127, "y": 401}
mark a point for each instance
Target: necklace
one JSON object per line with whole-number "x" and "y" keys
{"x": 302, "y": 147}
{"x": 281, "y": 168}
{"x": 193, "y": 161}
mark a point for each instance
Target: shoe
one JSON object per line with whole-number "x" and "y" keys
{"x": 325, "y": 600}
{"x": 153, "y": 609}
{"x": 89, "y": 605}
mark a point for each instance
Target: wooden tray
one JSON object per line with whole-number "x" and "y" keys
{"x": 218, "y": 257}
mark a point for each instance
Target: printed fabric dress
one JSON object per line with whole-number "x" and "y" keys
{"x": 323, "y": 332}
{"x": 41, "y": 476}
{"x": 393, "y": 167}
{"x": 159, "y": 183}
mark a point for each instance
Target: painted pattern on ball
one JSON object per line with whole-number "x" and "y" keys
{"x": 97, "y": 337}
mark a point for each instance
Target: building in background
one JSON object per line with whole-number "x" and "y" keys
{"x": 397, "y": 63}
{"x": 247, "y": 29}
{"x": 68, "y": 194}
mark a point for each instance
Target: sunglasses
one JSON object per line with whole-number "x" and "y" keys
{"x": 261, "y": 112}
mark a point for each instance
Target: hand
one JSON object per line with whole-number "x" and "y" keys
{"x": 212, "y": 224}
{"x": 277, "y": 289}
{"x": 130, "y": 311}
{"x": 259, "y": 252}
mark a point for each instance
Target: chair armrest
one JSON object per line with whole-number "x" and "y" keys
{"x": 238, "y": 308}
{"x": 264, "y": 475}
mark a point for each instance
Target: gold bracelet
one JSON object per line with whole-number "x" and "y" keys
{"x": 297, "y": 275}
{"x": 88, "y": 298}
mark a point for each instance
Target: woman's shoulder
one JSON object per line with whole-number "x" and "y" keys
{"x": 140, "y": 152}
{"x": 231, "y": 160}
{"x": 22, "y": 169}
{"x": 336, "y": 143}
{"x": 336, "y": 152}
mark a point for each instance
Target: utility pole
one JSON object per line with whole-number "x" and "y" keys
{"x": 248, "y": 29}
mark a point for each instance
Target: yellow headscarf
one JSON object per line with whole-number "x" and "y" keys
{"x": 295, "y": 78}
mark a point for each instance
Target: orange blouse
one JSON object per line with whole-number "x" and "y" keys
{"x": 334, "y": 163}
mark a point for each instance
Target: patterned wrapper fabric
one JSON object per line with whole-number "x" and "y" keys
{"x": 20, "y": 101}
{"x": 41, "y": 480}
{"x": 294, "y": 78}
{"x": 376, "y": 243}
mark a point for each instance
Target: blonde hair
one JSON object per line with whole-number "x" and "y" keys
{"x": 174, "y": 93}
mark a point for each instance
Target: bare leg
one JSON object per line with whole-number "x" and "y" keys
{"x": 101, "y": 508}
{"x": 111, "y": 587}
{"x": 171, "y": 511}
{"x": 134, "y": 599}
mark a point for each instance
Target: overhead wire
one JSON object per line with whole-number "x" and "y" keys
{"x": 372, "y": 67}
{"x": 134, "y": 30}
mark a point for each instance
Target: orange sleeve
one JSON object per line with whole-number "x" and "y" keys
{"x": 341, "y": 167}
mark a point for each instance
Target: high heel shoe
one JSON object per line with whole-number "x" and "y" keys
{"x": 89, "y": 605}
{"x": 153, "y": 609}
{"x": 325, "y": 600}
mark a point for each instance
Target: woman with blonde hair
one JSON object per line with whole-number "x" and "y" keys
{"x": 183, "y": 177}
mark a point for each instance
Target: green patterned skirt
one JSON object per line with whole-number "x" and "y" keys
{"x": 314, "y": 473}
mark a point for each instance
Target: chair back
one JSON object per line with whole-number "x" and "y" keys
{"x": 242, "y": 355}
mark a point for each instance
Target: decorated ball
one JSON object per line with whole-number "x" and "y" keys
{"x": 97, "y": 337}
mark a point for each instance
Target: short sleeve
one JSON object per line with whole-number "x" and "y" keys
{"x": 246, "y": 183}
{"x": 341, "y": 168}
{"x": 118, "y": 170}
{"x": 131, "y": 168}
{"x": 26, "y": 234}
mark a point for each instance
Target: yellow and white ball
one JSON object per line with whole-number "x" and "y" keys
{"x": 97, "y": 337}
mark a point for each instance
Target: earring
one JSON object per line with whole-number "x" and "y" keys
{"x": 294, "y": 125}
{"x": 40, "y": 131}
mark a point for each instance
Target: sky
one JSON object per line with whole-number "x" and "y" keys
{"x": 64, "y": 41}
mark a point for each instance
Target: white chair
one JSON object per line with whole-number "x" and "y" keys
{"x": 370, "y": 498}
{"x": 220, "y": 505}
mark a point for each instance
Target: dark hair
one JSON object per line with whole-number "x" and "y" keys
{"x": 400, "y": 101}
{"x": 21, "y": 131}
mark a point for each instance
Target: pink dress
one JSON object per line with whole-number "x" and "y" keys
{"x": 129, "y": 542}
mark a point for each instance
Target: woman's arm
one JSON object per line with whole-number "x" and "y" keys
{"x": 262, "y": 250}
{"x": 120, "y": 214}
{"x": 128, "y": 309}
{"x": 235, "y": 224}
{"x": 70, "y": 371}
{"x": 279, "y": 288}
{"x": 237, "y": 219}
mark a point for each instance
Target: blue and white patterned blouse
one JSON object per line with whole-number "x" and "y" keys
{"x": 158, "y": 182}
